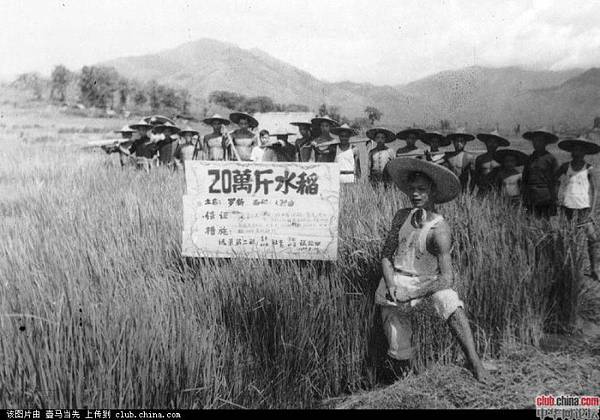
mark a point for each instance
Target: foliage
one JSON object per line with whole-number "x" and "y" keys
{"x": 253, "y": 104}
{"x": 32, "y": 82}
{"x": 97, "y": 85}
{"x": 373, "y": 114}
{"x": 60, "y": 78}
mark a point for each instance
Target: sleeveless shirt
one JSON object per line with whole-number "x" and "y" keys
{"x": 574, "y": 192}
{"x": 346, "y": 160}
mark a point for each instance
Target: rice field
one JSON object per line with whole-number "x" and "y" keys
{"x": 99, "y": 309}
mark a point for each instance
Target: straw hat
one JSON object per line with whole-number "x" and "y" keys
{"x": 158, "y": 119}
{"x": 280, "y": 132}
{"x": 125, "y": 129}
{"x": 390, "y": 136}
{"x": 517, "y": 154}
{"x": 235, "y": 117}
{"x": 305, "y": 124}
{"x": 494, "y": 135}
{"x": 166, "y": 127}
{"x": 447, "y": 185}
{"x": 403, "y": 135}
{"x": 324, "y": 118}
{"x": 141, "y": 124}
{"x": 544, "y": 133}
{"x": 590, "y": 147}
{"x": 216, "y": 117}
{"x": 460, "y": 133}
{"x": 428, "y": 136}
{"x": 187, "y": 130}
{"x": 345, "y": 128}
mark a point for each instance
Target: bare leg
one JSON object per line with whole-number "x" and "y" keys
{"x": 459, "y": 325}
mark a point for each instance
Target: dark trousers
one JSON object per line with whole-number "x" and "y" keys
{"x": 542, "y": 210}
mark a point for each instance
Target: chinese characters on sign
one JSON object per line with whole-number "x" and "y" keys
{"x": 261, "y": 210}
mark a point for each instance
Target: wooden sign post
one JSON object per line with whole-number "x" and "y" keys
{"x": 261, "y": 210}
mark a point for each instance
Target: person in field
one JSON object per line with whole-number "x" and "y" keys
{"x": 259, "y": 152}
{"x": 486, "y": 162}
{"x": 324, "y": 145}
{"x": 346, "y": 155}
{"x": 577, "y": 194}
{"x": 507, "y": 178}
{"x": 158, "y": 120}
{"x": 303, "y": 143}
{"x": 435, "y": 140}
{"x": 144, "y": 149}
{"x": 129, "y": 136}
{"x": 459, "y": 161}
{"x": 185, "y": 146}
{"x": 213, "y": 143}
{"x": 380, "y": 155}
{"x": 168, "y": 145}
{"x": 243, "y": 138}
{"x": 283, "y": 150}
{"x": 417, "y": 264}
{"x": 410, "y": 136}
{"x": 539, "y": 175}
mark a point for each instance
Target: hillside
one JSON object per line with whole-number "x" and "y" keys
{"x": 478, "y": 96}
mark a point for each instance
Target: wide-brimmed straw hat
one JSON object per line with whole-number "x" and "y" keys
{"x": 278, "y": 131}
{"x": 141, "y": 124}
{"x": 187, "y": 130}
{"x": 548, "y": 136}
{"x": 344, "y": 128}
{"x": 125, "y": 129}
{"x": 166, "y": 127}
{"x": 460, "y": 133}
{"x": 403, "y": 135}
{"x": 586, "y": 144}
{"x": 324, "y": 118}
{"x": 235, "y": 117}
{"x": 216, "y": 117}
{"x": 306, "y": 124}
{"x": 390, "y": 136}
{"x": 428, "y": 136}
{"x": 500, "y": 155}
{"x": 447, "y": 185}
{"x": 494, "y": 135}
{"x": 158, "y": 119}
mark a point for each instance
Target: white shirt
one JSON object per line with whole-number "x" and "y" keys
{"x": 257, "y": 154}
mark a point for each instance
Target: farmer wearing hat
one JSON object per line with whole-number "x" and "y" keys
{"x": 459, "y": 161}
{"x": 435, "y": 140}
{"x": 145, "y": 148}
{"x": 486, "y": 162}
{"x": 303, "y": 146}
{"x": 158, "y": 120}
{"x": 213, "y": 143}
{"x": 380, "y": 155}
{"x": 168, "y": 145}
{"x": 243, "y": 138}
{"x": 417, "y": 263}
{"x": 507, "y": 178}
{"x": 185, "y": 146}
{"x": 121, "y": 147}
{"x": 577, "y": 194}
{"x": 283, "y": 151}
{"x": 346, "y": 155}
{"x": 260, "y": 153}
{"x": 410, "y": 136}
{"x": 324, "y": 146}
{"x": 539, "y": 175}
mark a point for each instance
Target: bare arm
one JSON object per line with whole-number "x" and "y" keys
{"x": 390, "y": 245}
{"x": 357, "y": 163}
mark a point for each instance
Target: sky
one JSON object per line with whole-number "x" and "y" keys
{"x": 375, "y": 41}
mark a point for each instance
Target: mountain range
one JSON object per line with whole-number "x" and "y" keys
{"x": 478, "y": 97}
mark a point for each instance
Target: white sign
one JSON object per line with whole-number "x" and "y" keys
{"x": 274, "y": 210}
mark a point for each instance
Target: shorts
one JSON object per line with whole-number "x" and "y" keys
{"x": 396, "y": 317}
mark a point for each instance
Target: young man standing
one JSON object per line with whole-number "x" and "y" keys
{"x": 303, "y": 146}
{"x": 168, "y": 146}
{"x": 381, "y": 155}
{"x": 435, "y": 140}
{"x": 507, "y": 178}
{"x": 539, "y": 175}
{"x": 144, "y": 149}
{"x": 577, "y": 194}
{"x": 324, "y": 146}
{"x": 459, "y": 161}
{"x": 185, "y": 147}
{"x": 121, "y": 147}
{"x": 486, "y": 162}
{"x": 282, "y": 149}
{"x": 347, "y": 155}
{"x": 417, "y": 263}
{"x": 213, "y": 143}
{"x": 410, "y": 136}
{"x": 243, "y": 138}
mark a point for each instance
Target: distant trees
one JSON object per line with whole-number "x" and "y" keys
{"x": 373, "y": 114}
{"x": 334, "y": 113}
{"x": 597, "y": 122}
{"x": 444, "y": 125}
{"x": 59, "y": 81}
{"x": 32, "y": 82}
{"x": 253, "y": 104}
{"x": 97, "y": 84}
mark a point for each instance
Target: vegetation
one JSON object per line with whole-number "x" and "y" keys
{"x": 236, "y": 101}
{"x": 98, "y": 308}
{"x": 373, "y": 114}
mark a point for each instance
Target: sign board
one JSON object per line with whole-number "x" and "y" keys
{"x": 275, "y": 210}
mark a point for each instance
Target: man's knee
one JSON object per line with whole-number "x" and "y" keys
{"x": 398, "y": 331}
{"x": 446, "y": 302}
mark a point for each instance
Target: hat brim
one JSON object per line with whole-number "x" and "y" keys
{"x": 210, "y": 121}
{"x": 192, "y": 132}
{"x": 339, "y": 131}
{"x": 447, "y": 185}
{"x": 502, "y": 142}
{"x": 549, "y": 138}
{"x": 459, "y": 136}
{"x": 443, "y": 141}
{"x": 500, "y": 155}
{"x": 162, "y": 128}
{"x": 589, "y": 147}
{"x": 235, "y": 117}
{"x": 403, "y": 135}
{"x": 301, "y": 124}
{"x": 319, "y": 120}
{"x": 158, "y": 119}
{"x": 141, "y": 126}
{"x": 390, "y": 136}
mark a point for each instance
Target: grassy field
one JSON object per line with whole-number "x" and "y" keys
{"x": 99, "y": 309}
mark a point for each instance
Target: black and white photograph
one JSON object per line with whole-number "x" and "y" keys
{"x": 331, "y": 205}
